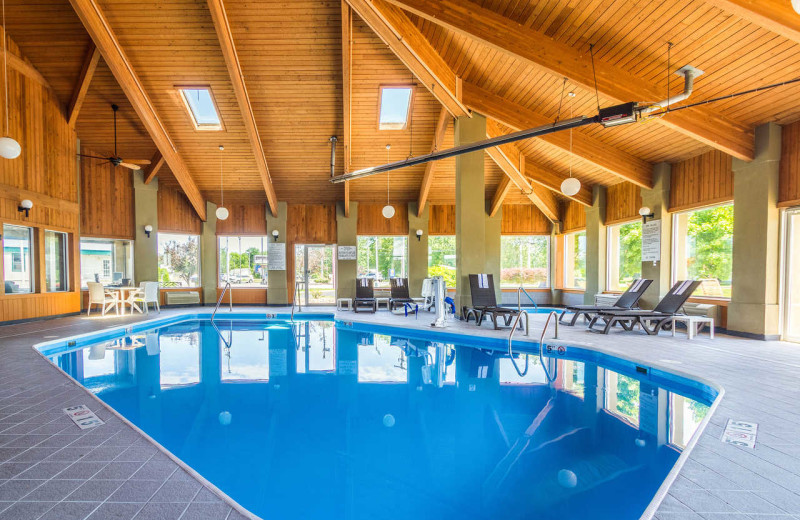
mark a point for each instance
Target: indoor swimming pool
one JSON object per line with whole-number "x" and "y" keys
{"x": 330, "y": 419}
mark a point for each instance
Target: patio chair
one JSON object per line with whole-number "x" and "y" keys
{"x": 651, "y": 321}
{"x": 98, "y": 295}
{"x": 400, "y": 295}
{"x": 147, "y": 294}
{"x": 627, "y": 300}
{"x": 365, "y": 295}
{"x": 484, "y": 302}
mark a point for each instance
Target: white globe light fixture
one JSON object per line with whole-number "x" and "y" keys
{"x": 796, "y": 6}
{"x": 388, "y": 211}
{"x": 222, "y": 213}
{"x": 9, "y": 148}
{"x": 570, "y": 186}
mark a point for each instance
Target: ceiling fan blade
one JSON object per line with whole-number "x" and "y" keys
{"x": 93, "y": 157}
{"x": 131, "y": 166}
{"x": 141, "y": 162}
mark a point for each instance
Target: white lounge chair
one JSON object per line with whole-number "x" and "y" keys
{"x": 99, "y": 296}
{"x": 147, "y": 294}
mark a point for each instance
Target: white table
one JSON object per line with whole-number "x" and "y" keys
{"x": 694, "y": 324}
{"x": 382, "y": 301}
{"x": 123, "y": 293}
{"x": 344, "y": 304}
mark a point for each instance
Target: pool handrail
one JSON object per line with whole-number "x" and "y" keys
{"x": 550, "y": 315}
{"x": 510, "y": 338}
{"x": 521, "y": 290}
{"x": 219, "y": 300}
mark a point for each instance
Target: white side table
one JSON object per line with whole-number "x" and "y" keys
{"x": 694, "y": 324}
{"x": 344, "y": 304}
{"x": 382, "y": 301}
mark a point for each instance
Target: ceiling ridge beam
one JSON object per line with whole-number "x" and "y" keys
{"x": 616, "y": 162}
{"x": 409, "y": 45}
{"x": 154, "y": 167}
{"x": 225, "y": 36}
{"x": 93, "y": 19}
{"x": 88, "y": 68}
{"x": 776, "y": 17}
{"x": 427, "y": 179}
{"x": 534, "y": 47}
{"x": 347, "y": 92}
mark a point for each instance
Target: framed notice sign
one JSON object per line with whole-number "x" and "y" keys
{"x": 347, "y": 252}
{"x": 651, "y": 241}
{"x": 276, "y": 256}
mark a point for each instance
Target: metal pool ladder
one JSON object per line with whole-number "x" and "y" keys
{"x": 550, "y": 315}
{"x": 510, "y": 337}
{"x": 521, "y": 290}
{"x": 219, "y": 301}
{"x": 296, "y": 297}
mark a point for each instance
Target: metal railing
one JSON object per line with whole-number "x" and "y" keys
{"x": 219, "y": 301}
{"x": 296, "y": 297}
{"x": 510, "y": 338}
{"x": 541, "y": 346}
{"x": 519, "y": 298}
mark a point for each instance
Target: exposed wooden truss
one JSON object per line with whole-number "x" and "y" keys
{"x": 82, "y": 87}
{"x": 513, "y": 166}
{"x": 347, "y": 92}
{"x": 430, "y": 168}
{"x": 469, "y": 18}
{"x": 225, "y": 36}
{"x": 93, "y": 19}
{"x": 153, "y": 168}
{"x": 774, "y": 15}
{"x": 500, "y": 195}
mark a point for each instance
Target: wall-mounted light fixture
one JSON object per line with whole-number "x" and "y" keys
{"x": 147, "y": 230}
{"x": 25, "y": 206}
{"x": 275, "y": 235}
{"x": 419, "y": 234}
{"x": 646, "y": 213}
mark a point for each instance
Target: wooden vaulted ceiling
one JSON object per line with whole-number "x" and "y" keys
{"x": 506, "y": 59}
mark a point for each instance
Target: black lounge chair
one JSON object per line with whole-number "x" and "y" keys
{"x": 484, "y": 302}
{"x": 627, "y": 300}
{"x": 400, "y": 295}
{"x": 651, "y": 321}
{"x": 365, "y": 295}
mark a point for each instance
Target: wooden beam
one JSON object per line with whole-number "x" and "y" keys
{"x": 40, "y": 199}
{"x": 500, "y": 194}
{"x": 347, "y": 92}
{"x": 427, "y": 178}
{"x": 589, "y": 149}
{"x": 106, "y": 41}
{"x": 540, "y": 175}
{"x": 225, "y": 36}
{"x": 153, "y": 168}
{"x": 468, "y": 18}
{"x": 773, "y": 15}
{"x": 410, "y": 46}
{"x": 82, "y": 86}
{"x": 541, "y": 198}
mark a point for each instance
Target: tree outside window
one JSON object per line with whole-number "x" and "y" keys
{"x": 525, "y": 261}
{"x": 442, "y": 258}
{"x": 178, "y": 260}
{"x": 704, "y": 249}
{"x": 624, "y": 254}
{"x": 382, "y": 258}
{"x": 575, "y": 260}
{"x": 243, "y": 261}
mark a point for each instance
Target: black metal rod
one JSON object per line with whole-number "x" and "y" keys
{"x": 333, "y": 140}
{"x": 471, "y": 147}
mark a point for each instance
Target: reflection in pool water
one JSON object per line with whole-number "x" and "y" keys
{"x": 318, "y": 420}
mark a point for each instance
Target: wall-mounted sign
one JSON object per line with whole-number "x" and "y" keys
{"x": 276, "y": 256}
{"x": 651, "y": 241}
{"x": 347, "y": 252}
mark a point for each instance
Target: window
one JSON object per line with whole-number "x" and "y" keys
{"x": 524, "y": 261}
{"x": 703, "y": 249}
{"x": 178, "y": 260}
{"x": 55, "y": 261}
{"x": 395, "y": 107}
{"x": 201, "y": 107}
{"x": 624, "y": 255}
{"x": 575, "y": 260}
{"x": 105, "y": 261}
{"x": 622, "y": 396}
{"x": 243, "y": 261}
{"x": 179, "y": 359}
{"x": 382, "y": 258}
{"x": 442, "y": 258}
{"x": 17, "y": 259}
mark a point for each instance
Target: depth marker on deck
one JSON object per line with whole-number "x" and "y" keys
{"x": 83, "y": 417}
{"x": 740, "y": 433}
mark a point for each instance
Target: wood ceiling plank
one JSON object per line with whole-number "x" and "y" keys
{"x": 773, "y": 15}
{"x": 82, "y": 87}
{"x": 430, "y": 168}
{"x": 105, "y": 39}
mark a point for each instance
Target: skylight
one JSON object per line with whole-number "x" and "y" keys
{"x": 395, "y": 106}
{"x": 202, "y": 109}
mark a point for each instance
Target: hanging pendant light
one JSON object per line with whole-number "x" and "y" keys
{"x": 388, "y": 209}
{"x": 570, "y": 186}
{"x": 222, "y": 211}
{"x": 9, "y": 147}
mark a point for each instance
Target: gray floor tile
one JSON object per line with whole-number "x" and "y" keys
{"x": 26, "y": 510}
{"x": 136, "y": 491}
{"x": 82, "y": 470}
{"x": 161, "y": 511}
{"x": 94, "y": 491}
{"x": 118, "y": 470}
{"x": 16, "y": 489}
{"x": 177, "y": 491}
{"x": 52, "y": 491}
{"x": 70, "y": 511}
{"x": 116, "y": 511}
{"x": 155, "y": 470}
{"x": 207, "y": 511}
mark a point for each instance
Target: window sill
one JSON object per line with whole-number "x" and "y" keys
{"x": 529, "y": 289}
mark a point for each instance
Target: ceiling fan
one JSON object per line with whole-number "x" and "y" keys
{"x": 115, "y": 159}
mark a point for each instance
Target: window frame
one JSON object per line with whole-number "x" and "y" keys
{"x": 674, "y": 249}
{"x": 65, "y": 256}
{"x": 199, "y": 260}
{"x": 129, "y": 243}
{"x": 409, "y": 111}
{"x": 548, "y": 239}
{"x": 612, "y": 255}
{"x": 567, "y": 265}
{"x": 31, "y": 260}
{"x": 427, "y": 269}
{"x": 377, "y": 284}
{"x": 200, "y": 127}
{"x": 265, "y": 247}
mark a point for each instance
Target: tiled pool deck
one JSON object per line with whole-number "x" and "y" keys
{"x": 51, "y": 470}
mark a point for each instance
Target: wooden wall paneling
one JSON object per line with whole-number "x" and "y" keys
{"x": 574, "y": 216}
{"x": 623, "y": 201}
{"x": 703, "y": 180}
{"x": 245, "y": 295}
{"x": 311, "y": 224}
{"x": 107, "y": 201}
{"x": 244, "y": 219}
{"x": 524, "y": 219}
{"x": 372, "y": 222}
{"x": 789, "y": 184}
{"x": 176, "y": 214}
{"x": 442, "y": 219}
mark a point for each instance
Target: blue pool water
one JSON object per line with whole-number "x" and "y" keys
{"x": 317, "y": 419}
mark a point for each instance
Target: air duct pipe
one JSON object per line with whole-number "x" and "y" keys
{"x": 689, "y": 74}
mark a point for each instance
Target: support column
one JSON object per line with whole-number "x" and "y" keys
{"x": 145, "y": 250}
{"x": 470, "y": 207}
{"x": 492, "y": 246}
{"x": 277, "y": 292}
{"x": 595, "y": 245}
{"x": 208, "y": 255}
{"x": 754, "y": 307}
{"x": 346, "y": 235}
{"x": 417, "y": 248}
{"x": 657, "y": 199}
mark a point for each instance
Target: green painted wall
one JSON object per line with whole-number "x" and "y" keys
{"x": 346, "y": 270}
{"x": 657, "y": 199}
{"x": 208, "y": 255}
{"x": 145, "y": 250}
{"x": 277, "y": 292}
{"x": 417, "y": 249}
{"x": 492, "y": 245}
{"x": 595, "y": 245}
